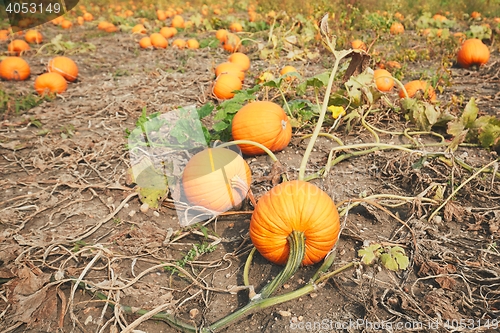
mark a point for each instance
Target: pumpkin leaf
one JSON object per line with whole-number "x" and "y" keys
{"x": 151, "y": 184}
{"x": 370, "y": 253}
{"x": 489, "y": 135}
{"x": 317, "y": 81}
{"x": 205, "y": 110}
{"x": 470, "y": 113}
{"x": 220, "y": 126}
{"x": 358, "y": 85}
{"x": 395, "y": 258}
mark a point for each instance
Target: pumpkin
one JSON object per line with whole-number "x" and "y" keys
{"x": 50, "y": 82}
{"x": 145, "y": 42}
{"x": 66, "y": 24}
{"x": 230, "y": 68}
{"x": 232, "y": 43}
{"x": 4, "y": 35}
{"x": 193, "y": 44}
{"x": 88, "y": 17}
{"x": 14, "y": 68}
{"x": 294, "y": 206}
{"x": 286, "y": 70}
{"x": 240, "y": 59}
{"x": 225, "y": 84}
{"x": 18, "y": 46}
{"x": 33, "y": 36}
{"x": 64, "y": 66}
{"x": 236, "y": 27}
{"x": 160, "y": 15}
{"x": 397, "y": 28}
{"x": 168, "y": 32}
{"x": 217, "y": 179}
{"x": 179, "y": 43}
{"x": 424, "y": 87}
{"x": 263, "y": 122}
{"x": 221, "y": 35}
{"x": 177, "y": 22}
{"x": 158, "y": 41}
{"x": 473, "y": 53}
{"x": 358, "y": 44}
{"x": 80, "y": 20}
{"x": 139, "y": 29}
{"x": 383, "y": 80}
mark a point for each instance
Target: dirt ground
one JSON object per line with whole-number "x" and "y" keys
{"x": 65, "y": 211}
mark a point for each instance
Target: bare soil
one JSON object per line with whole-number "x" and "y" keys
{"x": 66, "y": 211}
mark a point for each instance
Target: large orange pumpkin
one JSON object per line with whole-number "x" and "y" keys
{"x": 14, "y": 68}
{"x": 294, "y": 206}
{"x": 50, "y": 82}
{"x": 33, "y": 36}
{"x": 473, "y": 53}
{"x": 217, "y": 179}
{"x": 263, "y": 122}
{"x": 415, "y": 86}
{"x": 64, "y": 66}
{"x": 240, "y": 59}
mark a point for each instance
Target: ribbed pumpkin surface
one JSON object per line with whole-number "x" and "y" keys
{"x": 473, "y": 52}
{"x": 294, "y": 205}
{"x": 263, "y": 122}
{"x": 208, "y": 177}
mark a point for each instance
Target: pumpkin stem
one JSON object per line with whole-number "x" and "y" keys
{"x": 296, "y": 242}
{"x": 248, "y": 142}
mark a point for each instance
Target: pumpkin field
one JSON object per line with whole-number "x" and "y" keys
{"x": 251, "y": 166}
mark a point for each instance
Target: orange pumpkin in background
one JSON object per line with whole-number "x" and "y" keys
{"x": 473, "y": 53}
{"x": 263, "y": 122}
{"x": 240, "y": 59}
{"x": 64, "y": 66}
{"x": 14, "y": 68}
{"x": 225, "y": 84}
{"x": 18, "y": 46}
{"x": 33, "y": 37}
{"x": 415, "y": 86}
{"x": 158, "y": 41}
{"x": 230, "y": 68}
{"x": 50, "y": 83}
{"x": 383, "y": 80}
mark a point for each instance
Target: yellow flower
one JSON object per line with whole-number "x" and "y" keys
{"x": 336, "y": 111}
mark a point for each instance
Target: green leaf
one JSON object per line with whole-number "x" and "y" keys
{"x": 317, "y": 81}
{"x": 455, "y": 127}
{"x": 205, "y": 110}
{"x": 370, "y": 254}
{"x": 151, "y": 184}
{"x": 389, "y": 262}
{"x": 220, "y": 126}
{"x": 489, "y": 135}
{"x": 394, "y": 258}
{"x": 431, "y": 113}
{"x": 470, "y": 113}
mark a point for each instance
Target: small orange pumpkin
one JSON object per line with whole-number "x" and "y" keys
{"x": 221, "y": 35}
{"x": 383, "y": 80}
{"x": 50, "y": 82}
{"x": 64, "y": 66}
{"x": 178, "y": 22}
{"x": 240, "y": 59}
{"x": 358, "y": 44}
{"x": 179, "y": 43}
{"x": 230, "y": 68}
{"x": 158, "y": 41}
{"x": 18, "y": 46}
{"x": 145, "y": 42}
{"x": 33, "y": 36}
{"x": 473, "y": 53}
{"x": 217, "y": 179}
{"x": 397, "y": 28}
{"x": 160, "y": 15}
{"x": 225, "y": 84}
{"x": 294, "y": 206}
{"x": 139, "y": 29}
{"x": 232, "y": 43}
{"x": 288, "y": 69}
{"x": 88, "y": 17}
{"x": 66, "y": 24}
{"x": 193, "y": 44}
{"x": 236, "y": 27}
{"x": 263, "y": 122}
{"x": 14, "y": 68}
{"x": 415, "y": 86}
{"x": 168, "y": 32}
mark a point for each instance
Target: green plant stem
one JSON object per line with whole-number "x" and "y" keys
{"x": 246, "y": 270}
{"x": 248, "y": 142}
{"x": 368, "y": 128}
{"x": 321, "y": 118}
{"x": 296, "y": 243}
